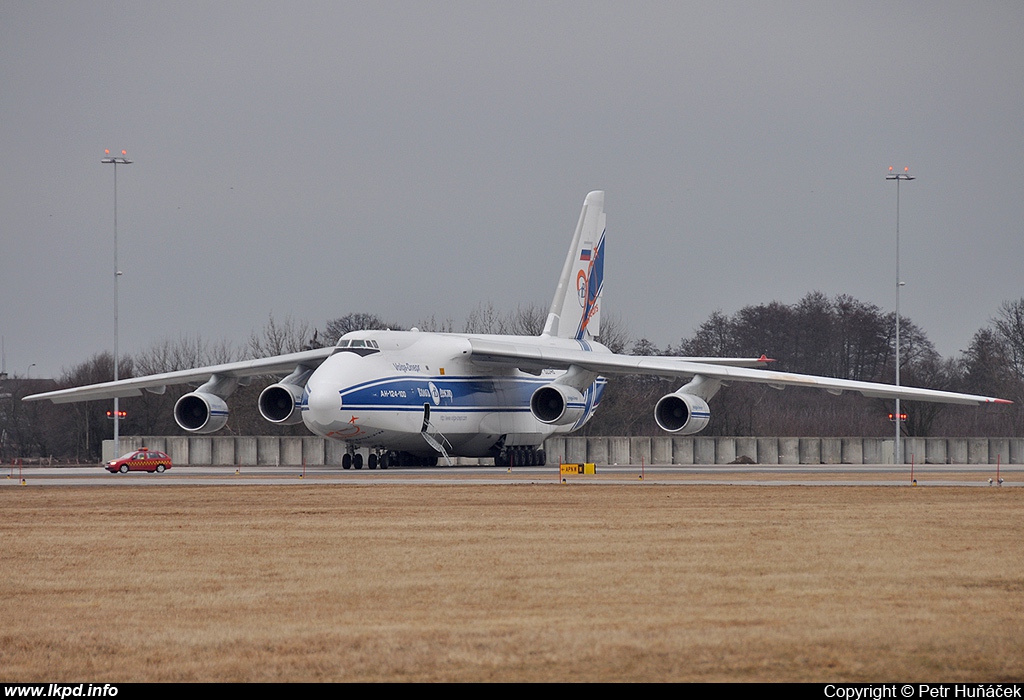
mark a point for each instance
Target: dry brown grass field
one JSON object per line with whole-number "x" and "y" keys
{"x": 516, "y": 582}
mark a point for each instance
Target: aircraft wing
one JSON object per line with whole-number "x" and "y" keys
{"x": 156, "y": 383}
{"x": 533, "y": 357}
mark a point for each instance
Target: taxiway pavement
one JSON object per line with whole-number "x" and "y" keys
{"x": 748, "y": 475}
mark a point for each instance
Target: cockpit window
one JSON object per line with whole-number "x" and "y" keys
{"x": 358, "y": 346}
{"x": 356, "y": 343}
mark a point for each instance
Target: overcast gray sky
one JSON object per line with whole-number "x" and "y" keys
{"x": 412, "y": 159}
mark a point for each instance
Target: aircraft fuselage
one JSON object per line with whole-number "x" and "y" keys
{"x": 377, "y": 395}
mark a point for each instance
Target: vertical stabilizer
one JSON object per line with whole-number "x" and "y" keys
{"x": 576, "y": 309}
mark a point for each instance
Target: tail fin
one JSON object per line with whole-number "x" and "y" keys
{"x": 576, "y": 309}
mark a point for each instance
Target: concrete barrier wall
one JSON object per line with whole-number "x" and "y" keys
{"x": 665, "y": 450}
{"x": 746, "y": 448}
{"x": 831, "y": 451}
{"x": 268, "y": 451}
{"x": 223, "y": 450}
{"x": 313, "y": 450}
{"x": 725, "y": 450}
{"x": 576, "y": 449}
{"x": 245, "y": 450}
{"x": 851, "y": 450}
{"x": 789, "y": 450}
{"x": 618, "y": 450}
{"x": 291, "y": 450}
{"x": 914, "y": 450}
{"x": 956, "y": 450}
{"x": 682, "y": 450}
{"x": 1016, "y": 451}
{"x": 935, "y": 450}
{"x": 767, "y": 451}
{"x": 177, "y": 449}
{"x": 704, "y": 450}
{"x": 333, "y": 452}
{"x": 200, "y": 450}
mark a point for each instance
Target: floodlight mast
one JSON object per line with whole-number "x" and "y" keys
{"x": 115, "y": 161}
{"x": 897, "y": 456}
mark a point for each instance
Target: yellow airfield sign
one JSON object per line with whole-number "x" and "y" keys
{"x": 578, "y": 468}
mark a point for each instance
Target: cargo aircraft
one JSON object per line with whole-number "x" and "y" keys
{"x": 409, "y": 397}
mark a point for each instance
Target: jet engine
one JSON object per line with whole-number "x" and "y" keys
{"x": 279, "y": 403}
{"x": 200, "y": 412}
{"x": 682, "y": 413}
{"x": 557, "y": 404}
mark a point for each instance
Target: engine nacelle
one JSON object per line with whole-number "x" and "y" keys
{"x": 200, "y": 412}
{"x": 682, "y": 413}
{"x": 279, "y": 403}
{"x": 557, "y": 404}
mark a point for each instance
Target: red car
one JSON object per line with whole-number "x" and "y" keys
{"x": 144, "y": 460}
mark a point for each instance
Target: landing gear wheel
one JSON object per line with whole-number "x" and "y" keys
{"x": 371, "y": 462}
{"x": 357, "y": 461}
{"x": 346, "y": 461}
{"x": 542, "y": 458}
{"x": 384, "y": 460}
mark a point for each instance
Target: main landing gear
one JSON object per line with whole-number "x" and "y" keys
{"x": 521, "y": 457}
{"x": 386, "y": 459}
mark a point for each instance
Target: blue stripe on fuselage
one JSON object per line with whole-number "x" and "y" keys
{"x": 447, "y": 393}
{"x": 443, "y": 393}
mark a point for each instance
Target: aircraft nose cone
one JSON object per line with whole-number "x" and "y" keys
{"x": 322, "y": 409}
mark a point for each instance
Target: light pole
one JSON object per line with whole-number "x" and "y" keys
{"x": 28, "y": 372}
{"x": 115, "y": 161}
{"x": 896, "y": 455}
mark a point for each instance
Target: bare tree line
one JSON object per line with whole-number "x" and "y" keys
{"x": 840, "y": 337}
{"x": 837, "y": 337}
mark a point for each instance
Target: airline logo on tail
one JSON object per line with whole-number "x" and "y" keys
{"x": 589, "y": 282}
